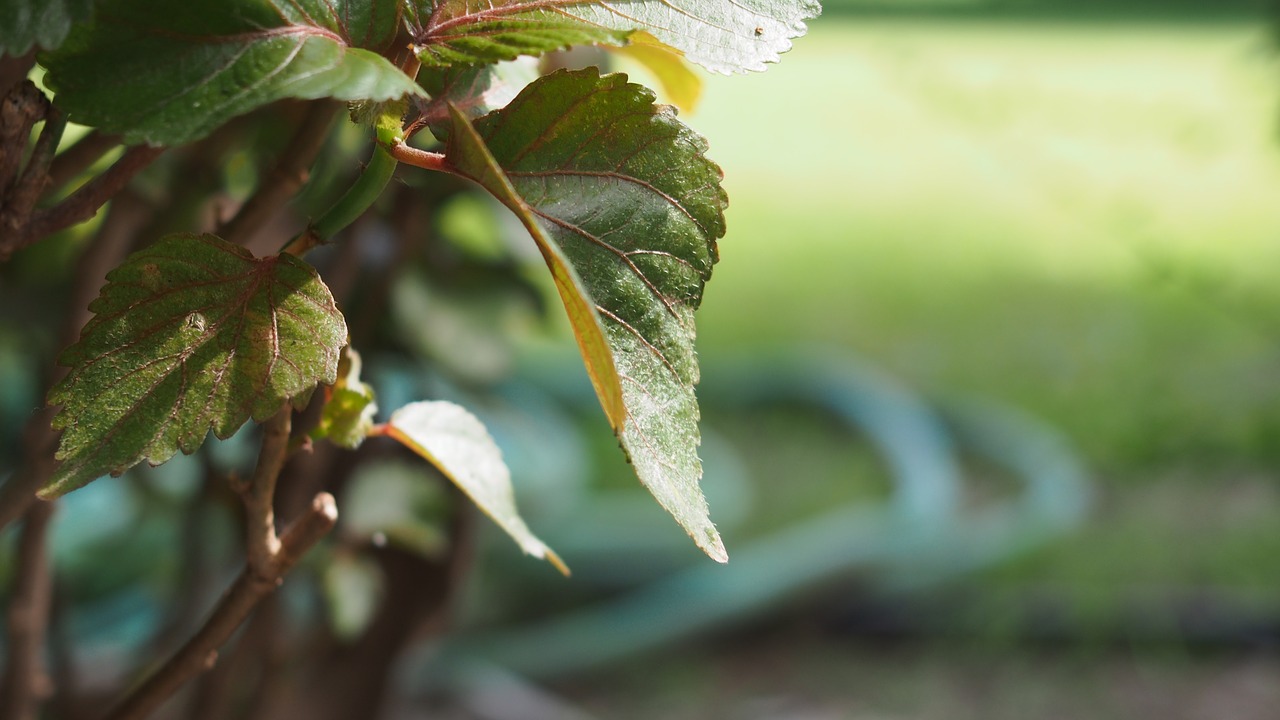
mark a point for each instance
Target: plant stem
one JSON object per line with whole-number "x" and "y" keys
{"x": 269, "y": 558}
{"x": 286, "y": 178}
{"x": 25, "y": 682}
{"x": 359, "y": 198}
{"x": 80, "y": 157}
{"x": 200, "y": 653}
{"x": 35, "y": 176}
{"x": 419, "y": 158}
{"x": 21, "y": 107}
{"x": 83, "y": 203}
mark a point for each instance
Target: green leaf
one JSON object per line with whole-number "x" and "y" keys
{"x": 456, "y": 32}
{"x": 349, "y": 407}
{"x": 456, "y": 442}
{"x": 169, "y": 73}
{"x": 474, "y": 89}
{"x": 189, "y": 335}
{"x": 626, "y": 210}
{"x": 725, "y": 36}
{"x": 41, "y": 23}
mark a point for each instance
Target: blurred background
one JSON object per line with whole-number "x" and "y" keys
{"x": 991, "y": 409}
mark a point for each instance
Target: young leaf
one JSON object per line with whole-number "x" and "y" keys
{"x": 190, "y": 334}
{"x": 626, "y": 210}
{"x": 349, "y": 406}
{"x": 169, "y": 73}
{"x": 724, "y": 36}
{"x": 42, "y": 23}
{"x": 456, "y": 442}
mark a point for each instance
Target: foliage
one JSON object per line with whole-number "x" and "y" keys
{"x": 194, "y": 333}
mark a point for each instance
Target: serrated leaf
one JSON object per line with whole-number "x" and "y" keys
{"x": 626, "y": 210}
{"x": 38, "y": 23}
{"x": 189, "y": 335}
{"x": 724, "y": 36}
{"x": 458, "y": 445}
{"x": 169, "y": 73}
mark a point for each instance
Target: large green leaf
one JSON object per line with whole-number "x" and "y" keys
{"x": 162, "y": 72}
{"x": 458, "y": 445}
{"x": 626, "y": 210}
{"x": 724, "y": 36}
{"x": 189, "y": 335}
{"x": 41, "y": 23}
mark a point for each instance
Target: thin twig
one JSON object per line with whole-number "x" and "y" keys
{"x": 79, "y": 157}
{"x": 20, "y": 109}
{"x": 269, "y": 558}
{"x": 26, "y": 684}
{"x": 201, "y": 651}
{"x": 35, "y": 176}
{"x": 85, "y": 202}
{"x": 286, "y": 178}
{"x": 261, "y": 543}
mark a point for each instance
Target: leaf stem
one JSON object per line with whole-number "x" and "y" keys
{"x": 284, "y": 180}
{"x": 419, "y": 158}
{"x": 358, "y": 198}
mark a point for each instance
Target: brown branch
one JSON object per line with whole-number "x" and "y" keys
{"x": 20, "y": 109}
{"x": 110, "y": 244}
{"x": 85, "y": 202}
{"x": 73, "y": 161}
{"x": 14, "y": 70}
{"x": 261, "y": 543}
{"x": 286, "y": 178}
{"x": 269, "y": 559}
{"x": 22, "y": 197}
{"x": 26, "y": 684}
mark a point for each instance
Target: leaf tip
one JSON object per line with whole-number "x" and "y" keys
{"x": 713, "y": 546}
{"x": 550, "y": 556}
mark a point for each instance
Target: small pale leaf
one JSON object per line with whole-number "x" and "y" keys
{"x": 626, "y": 210}
{"x": 349, "y": 406}
{"x": 168, "y": 73}
{"x": 458, "y": 445}
{"x": 189, "y": 335}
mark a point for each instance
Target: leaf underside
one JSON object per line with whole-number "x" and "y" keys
{"x": 626, "y": 210}
{"x": 169, "y": 73}
{"x": 189, "y": 335}
{"x": 38, "y": 23}
{"x": 459, "y": 446}
{"x": 724, "y": 37}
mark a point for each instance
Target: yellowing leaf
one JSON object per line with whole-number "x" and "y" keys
{"x": 679, "y": 82}
{"x": 458, "y": 445}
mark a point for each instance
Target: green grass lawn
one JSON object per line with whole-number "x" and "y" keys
{"x": 1080, "y": 219}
